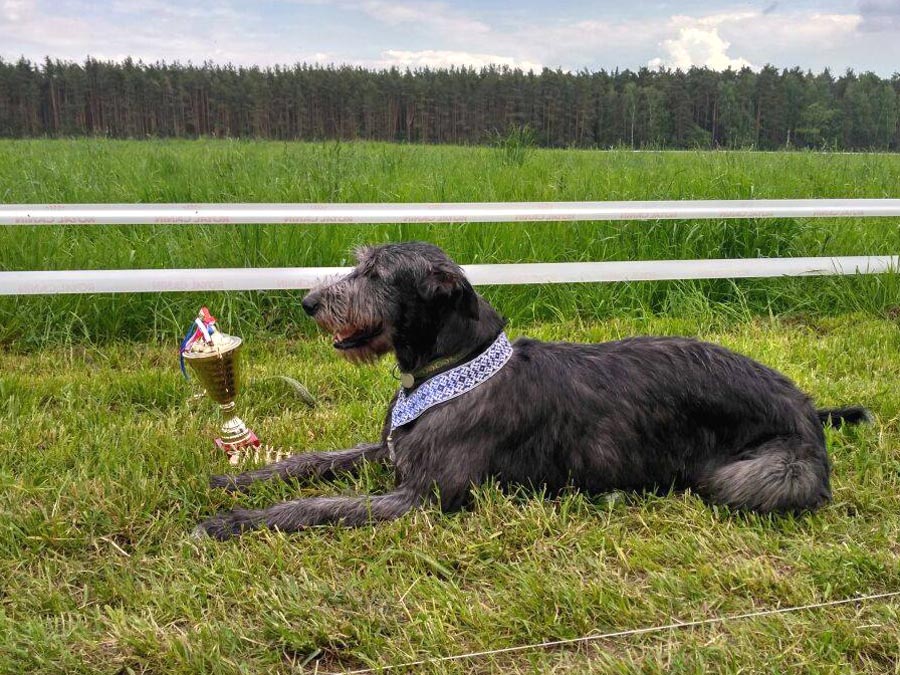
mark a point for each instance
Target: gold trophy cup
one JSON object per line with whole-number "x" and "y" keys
{"x": 213, "y": 357}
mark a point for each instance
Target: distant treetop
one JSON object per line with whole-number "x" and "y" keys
{"x": 770, "y": 109}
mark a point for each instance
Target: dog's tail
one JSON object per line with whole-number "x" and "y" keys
{"x": 837, "y": 417}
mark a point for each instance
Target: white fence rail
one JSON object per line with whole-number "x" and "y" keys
{"x": 488, "y": 212}
{"x": 160, "y": 280}
{"x": 274, "y": 278}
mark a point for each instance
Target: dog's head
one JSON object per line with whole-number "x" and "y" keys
{"x": 396, "y": 294}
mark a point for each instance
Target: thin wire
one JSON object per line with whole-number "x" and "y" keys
{"x": 623, "y": 633}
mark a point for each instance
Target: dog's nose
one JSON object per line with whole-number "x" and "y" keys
{"x": 310, "y": 304}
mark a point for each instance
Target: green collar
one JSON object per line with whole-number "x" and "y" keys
{"x": 409, "y": 379}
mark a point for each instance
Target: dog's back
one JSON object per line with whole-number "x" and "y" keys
{"x": 647, "y": 413}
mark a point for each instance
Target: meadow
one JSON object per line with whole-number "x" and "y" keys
{"x": 104, "y": 453}
{"x": 103, "y": 475}
{"x": 43, "y": 171}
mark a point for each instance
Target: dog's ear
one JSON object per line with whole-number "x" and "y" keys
{"x": 365, "y": 259}
{"x": 449, "y": 281}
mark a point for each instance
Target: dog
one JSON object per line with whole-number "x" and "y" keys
{"x": 639, "y": 414}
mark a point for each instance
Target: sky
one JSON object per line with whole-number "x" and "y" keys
{"x": 569, "y": 34}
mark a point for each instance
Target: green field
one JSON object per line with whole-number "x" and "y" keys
{"x": 103, "y": 476}
{"x": 104, "y": 457}
{"x": 221, "y": 171}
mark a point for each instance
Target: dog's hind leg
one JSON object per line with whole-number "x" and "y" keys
{"x": 305, "y": 465}
{"x": 302, "y": 513}
{"x": 784, "y": 474}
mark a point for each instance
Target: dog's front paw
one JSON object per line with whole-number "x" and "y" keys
{"x": 225, "y": 525}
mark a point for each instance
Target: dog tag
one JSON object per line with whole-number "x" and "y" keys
{"x": 407, "y": 380}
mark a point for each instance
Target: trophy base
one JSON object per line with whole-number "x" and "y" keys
{"x": 236, "y": 437}
{"x": 236, "y": 451}
{"x": 250, "y": 442}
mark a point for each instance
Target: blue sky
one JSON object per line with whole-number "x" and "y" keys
{"x": 575, "y": 34}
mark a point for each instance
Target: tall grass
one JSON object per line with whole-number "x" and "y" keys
{"x": 225, "y": 171}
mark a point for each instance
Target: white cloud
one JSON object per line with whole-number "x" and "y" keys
{"x": 698, "y": 42}
{"x": 739, "y": 39}
{"x": 435, "y": 58}
{"x": 16, "y": 10}
{"x": 698, "y": 47}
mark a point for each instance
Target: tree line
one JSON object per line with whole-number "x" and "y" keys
{"x": 699, "y": 108}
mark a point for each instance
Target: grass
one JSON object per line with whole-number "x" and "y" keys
{"x": 104, "y": 458}
{"x": 103, "y": 476}
{"x": 42, "y": 171}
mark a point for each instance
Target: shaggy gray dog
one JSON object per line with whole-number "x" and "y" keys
{"x": 637, "y": 414}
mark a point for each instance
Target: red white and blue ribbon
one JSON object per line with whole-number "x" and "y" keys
{"x": 203, "y": 328}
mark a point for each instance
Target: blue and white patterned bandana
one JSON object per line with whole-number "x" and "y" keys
{"x": 452, "y": 383}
